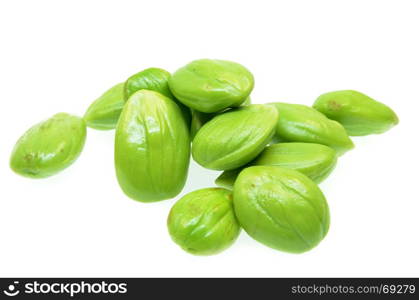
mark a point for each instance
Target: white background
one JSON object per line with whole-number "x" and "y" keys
{"x": 60, "y": 55}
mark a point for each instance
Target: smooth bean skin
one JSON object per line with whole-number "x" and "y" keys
{"x": 152, "y": 147}
{"x": 104, "y": 112}
{"x": 301, "y": 123}
{"x": 358, "y": 113}
{"x": 49, "y": 146}
{"x": 281, "y": 208}
{"x": 153, "y": 79}
{"x": 234, "y": 138}
{"x": 203, "y": 222}
{"x": 210, "y": 85}
{"x": 198, "y": 119}
{"x": 316, "y": 161}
